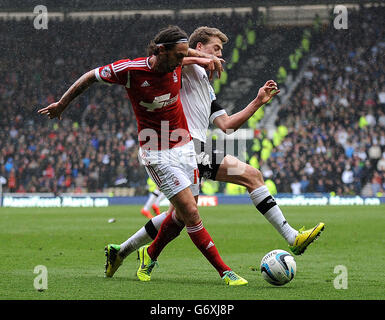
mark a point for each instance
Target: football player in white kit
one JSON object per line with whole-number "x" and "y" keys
{"x": 153, "y": 85}
{"x": 201, "y": 108}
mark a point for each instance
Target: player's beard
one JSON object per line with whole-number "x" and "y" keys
{"x": 169, "y": 67}
{"x": 164, "y": 66}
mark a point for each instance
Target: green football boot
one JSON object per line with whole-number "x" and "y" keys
{"x": 232, "y": 279}
{"x": 305, "y": 238}
{"x": 146, "y": 264}
{"x": 113, "y": 260}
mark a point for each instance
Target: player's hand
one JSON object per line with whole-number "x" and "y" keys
{"x": 206, "y": 63}
{"x": 268, "y": 91}
{"x": 54, "y": 110}
{"x": 218, "y": 67}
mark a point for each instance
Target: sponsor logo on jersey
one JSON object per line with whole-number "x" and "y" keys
{"x": 159, "y": 102}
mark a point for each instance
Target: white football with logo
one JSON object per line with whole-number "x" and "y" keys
{"x": 278, "y": 267}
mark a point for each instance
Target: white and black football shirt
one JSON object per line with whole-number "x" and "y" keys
{"x": 198, "y": 101}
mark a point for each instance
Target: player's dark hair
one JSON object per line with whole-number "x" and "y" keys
{"x": 203, "y": 35}
{"x": 168, "y": 37}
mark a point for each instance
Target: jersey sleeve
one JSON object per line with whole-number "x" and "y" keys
{"x": 114, "y": 73}
{"x": 216, "y": 110}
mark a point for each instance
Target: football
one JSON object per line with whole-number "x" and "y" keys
{"x": 278, "y": 267}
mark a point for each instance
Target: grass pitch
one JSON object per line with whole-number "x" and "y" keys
{"x": 70, "y": 242}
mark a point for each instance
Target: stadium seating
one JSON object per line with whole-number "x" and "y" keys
{"x": 94, "y": 148}
{"x": 333, "y": 122}
{"x": 333, "y": 115}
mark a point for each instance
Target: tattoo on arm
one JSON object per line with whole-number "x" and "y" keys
{"x": 80, "y": 85}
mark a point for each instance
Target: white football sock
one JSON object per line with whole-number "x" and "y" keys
{"x": 141, "y": 237}
{"x": 157, "y": 221}
{"x": 266, "y": 204}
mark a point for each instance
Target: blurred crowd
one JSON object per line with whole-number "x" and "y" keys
{"x": 336, "y": 116}
{"x": 95, "y": 146}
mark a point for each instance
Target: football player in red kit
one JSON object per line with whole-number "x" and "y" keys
{"x": 166, "y": 147}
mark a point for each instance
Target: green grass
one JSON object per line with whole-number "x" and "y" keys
{"x": 70, "y": 243}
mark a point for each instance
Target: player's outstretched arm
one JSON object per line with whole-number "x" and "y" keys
{"x": 56, "y": 109}
{"x": 207, "y": 63}
{"x": 218, "y": 67}
{"x": 235, "y": 121}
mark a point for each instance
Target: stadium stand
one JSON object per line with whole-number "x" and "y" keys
{"x": 335, "y": 139}
{"x": 94, "y": 148}
{"x": 331, "y": 127}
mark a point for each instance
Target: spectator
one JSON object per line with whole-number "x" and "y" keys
{"x": 381, "y": 163}
{"x": 322, "y": 115}
{"x": 374, "y": 154}
{"x": 370, "y": 119}
{"x": 295, "y": 187}
{"x": 348, "y": 177}
{"x": 304, "y": 183}
{"x": 381, "y": 117}
{"x": 381, "y": 98}
{"x": 320, "y": 186}
{"x": 376, "y": 183}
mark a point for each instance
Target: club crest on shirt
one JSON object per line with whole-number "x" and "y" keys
{"x": 175, "y": 180}
{"x": 106, "y": 72}
{"x": 175, "y": 76}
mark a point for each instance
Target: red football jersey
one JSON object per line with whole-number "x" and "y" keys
{"x": 155, "y": 99}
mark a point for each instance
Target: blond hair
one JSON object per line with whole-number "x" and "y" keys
{"x": 203, "y": 35}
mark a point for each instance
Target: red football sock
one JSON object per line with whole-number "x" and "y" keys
{"x": 205, "y": 244}
{"x": 169, "y": 230}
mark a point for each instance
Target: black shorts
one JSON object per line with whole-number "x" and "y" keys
{"x": 209, "y": 158}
